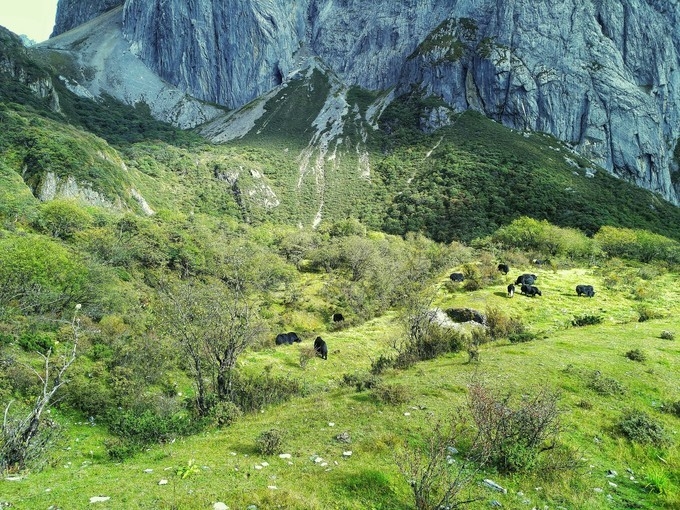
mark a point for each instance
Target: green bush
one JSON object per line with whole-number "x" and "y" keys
{"x": 255, "y": 392}
{"x": 143, "y": 426}
{"x": 62, "y": 218}
{"x": 360, "y": 380}
{"x": 648, "y": 312}
{"x": 269, "y": 442}
{"x": 667, "y": 335}
{"x": 524, "y": 336}
{"x": 119, "y": 450}
{"x": 639, "y": 427}
{"x": 380, "y": 364}
{"x": 606, "y": 386}
{"x": 225, "y": 413}
{"x": 392, "y": 394}
{"x": 637, "y": 244}
{"x": 38, "y": 341}
{"x": 38, "y": 275}
{"x": 586, "y": 320}
{"x": 500, "y": 326}
{"x": 636, "y": 355}
{"x": 673, "y": 408}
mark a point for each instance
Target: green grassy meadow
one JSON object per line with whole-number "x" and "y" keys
{"x": 230, "y": 469}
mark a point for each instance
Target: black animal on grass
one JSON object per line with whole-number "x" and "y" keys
{"x": 321, "y": 348}
{"x": 457, "y": 277}
{"x": 511, "y": 290}
{"x": 504, "y": 268}
{"x": 531, "y": 291}
{"x": 338, "y": 317}
{"x": 526, "y": 279}
{"x": 586, "y": 290}
{"x": 287, "y": 338}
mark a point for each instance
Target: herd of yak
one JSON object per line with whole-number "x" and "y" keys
{"x": 525, "y": 281}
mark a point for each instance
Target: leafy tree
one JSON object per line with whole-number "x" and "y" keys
{"x": 40, "y": 276}
{"x": 213, "y": 324}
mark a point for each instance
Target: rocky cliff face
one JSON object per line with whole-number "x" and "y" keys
{"x": 15, "y": 65}
{"x": 602, "y": 75}
{"x": 73, "y": 13}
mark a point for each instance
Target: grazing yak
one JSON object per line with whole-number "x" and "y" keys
{"x": 530, "y": 290}
{"x": 338, "y": 317}
{"x": 457, "y": 277}
{"x": 504, "y": 268}
{"x": 511, "y": 290}
{"x": 287, "y": 338}
{"x": 321, "y": 348}
{"x": 526, "y": 279}
{"x": 586, "y": 290}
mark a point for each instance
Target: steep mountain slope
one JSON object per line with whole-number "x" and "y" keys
{"x": 311, "y": 150}
{"x": 600, "y": 75}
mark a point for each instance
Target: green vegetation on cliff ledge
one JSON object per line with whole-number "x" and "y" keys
{"x": 466, "y": 180}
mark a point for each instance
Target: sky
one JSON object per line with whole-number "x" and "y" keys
{"x": 34, "y": 18}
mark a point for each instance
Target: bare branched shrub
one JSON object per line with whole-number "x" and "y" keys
{"x": 438, "y": 475}
{"x": 306, "y": 355}
{"x": 512, "y": 436}
{"x": 24, "y": 437}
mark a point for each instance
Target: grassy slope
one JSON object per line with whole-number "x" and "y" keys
{"x": 561, "y": 358}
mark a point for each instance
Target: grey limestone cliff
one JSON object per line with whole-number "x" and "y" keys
{"x": 73, "y": 13}
{"x": 602, "y": 75}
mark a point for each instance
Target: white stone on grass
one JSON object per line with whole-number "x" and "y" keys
{"x": 99, "y": 499}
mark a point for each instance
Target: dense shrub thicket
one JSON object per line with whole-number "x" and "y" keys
{"x": 170, "y": 302}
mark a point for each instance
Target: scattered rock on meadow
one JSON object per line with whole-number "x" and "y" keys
{"x": 343, "y": 437}
{"x": 220, "y": 506}
{"x": 99, "y": 499}
{"x": 163, "y": 482}
{"x": 285, "y": 456}
{"x": 493, "y": 485}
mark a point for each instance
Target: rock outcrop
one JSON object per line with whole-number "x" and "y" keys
{"x": 73, "y": 13}
{"x": 15, "y": 65}
{"x": 602, "y": 75}
{"x": 107, "y": 66}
